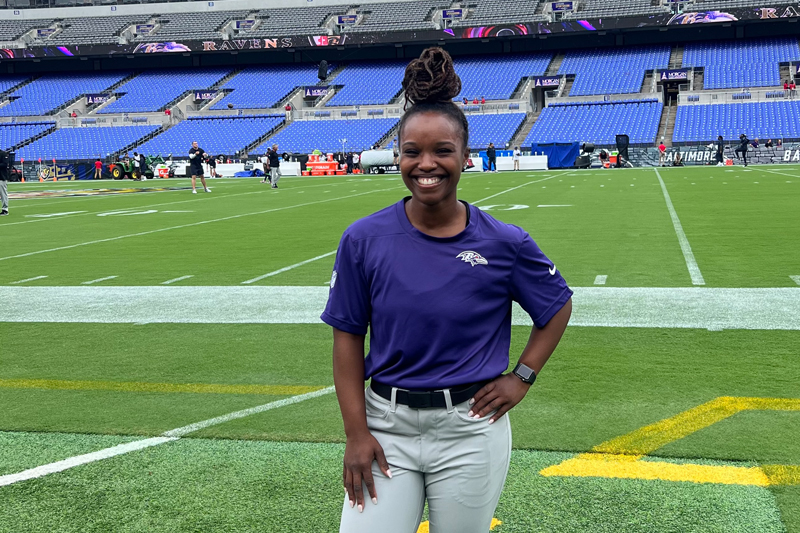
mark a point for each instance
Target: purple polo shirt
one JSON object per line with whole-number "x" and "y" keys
{"x": 438, "y": 309}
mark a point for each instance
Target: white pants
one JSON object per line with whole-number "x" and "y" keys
{"x": 455, "y": 462}
{"x": 4, "y": 195}
{"x": 275, "y": 175}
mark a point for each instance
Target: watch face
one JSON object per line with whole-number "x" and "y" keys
{"x": 524, "y": 372}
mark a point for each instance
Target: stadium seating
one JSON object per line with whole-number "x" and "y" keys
{"x": 497, "y": 129}
{"x": 327, "y": 135}
{"x": 263, "y": 87}
{"x": 9, "y": 82}
{"x": 54, "y": 90}
{"x": 394, "y": 17}
{"x": 593, "y": 9}
{"x": 216, "y": 135}
{"x": 293, "y": 21}
{"x": 597, "y": 122}
{"x": 733, "y": 64}
{"x": 500, "y": 12}
{"x": 94, "y": 30}
{"x": 83, "y": 143}
{"x": 763, "y": 120}
{"x": 14, "y": 29}
{"x": 13, "y": 134}
{"x": 186, "y": 26}
{"x": 370, "y": 82}
{"x": 153, "y": 90}
{"x": 496, "y": 77}
{"x": 612, "y": 71}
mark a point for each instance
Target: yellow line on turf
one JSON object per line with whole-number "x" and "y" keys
{"x": 620, "y": 457}
{"x": 134, "y": 386}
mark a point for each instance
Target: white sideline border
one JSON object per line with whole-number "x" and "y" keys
{"x": 167, "y": 436}
{"x": 286, "y": 269}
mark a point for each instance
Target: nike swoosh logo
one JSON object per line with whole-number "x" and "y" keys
{"x": 552, "y": 270}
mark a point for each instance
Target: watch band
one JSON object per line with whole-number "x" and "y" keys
{"x": 525, "y": 373}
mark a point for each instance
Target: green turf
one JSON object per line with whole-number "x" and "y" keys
{"x": 265, "y": 486}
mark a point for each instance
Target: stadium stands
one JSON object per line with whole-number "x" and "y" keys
{"x": 612, "y": 71}
{"x": 94, "y": 30}
{"x": 597, "y": 122}
{"x": 593, "y": 9}
{"x": 9, "y": 82}
{"x": 479, "y": 74}
{"x": 732, "y": 64}
{"x": 185, "y": 26}
{"x": 54, "y": 90}
{"x": 293, "y": 21}
{"x": 83, "y": 143}
{"x": 263, "y": 87}
{"x": 763, "y": 120}
{"x": 153, "y": 90}
{"x": 497, "y": 129}
{"x": 13, "y": 134}
{"x": 500, "y": 12}
{"x": 393, "y": 17}
{"x": 14, "y": 29}
{"x": 327, "y": 135}
{"x": 216, "y": 135}
{"x": 370, "y": 82}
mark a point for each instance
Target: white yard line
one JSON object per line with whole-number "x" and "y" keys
{"x": 98, "y": 280}
{"x": 555, "y": 205}
{"x": 796, "y": 279}
{"x": 781, "y": 173}
{"x": 290, "y": 267}
{"x": 517, "y": 187}
{"x": 231, "y": 217}
{"x": 169, "y": 281}
{"x": 168, "y": 436}
{"x": 594, "y": 306}
{"x": 691, "y": 264}
{"x": 27, "y": 280}
{"x": 600, "y": 279}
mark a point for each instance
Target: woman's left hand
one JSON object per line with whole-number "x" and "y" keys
{"x": 501, "y": 394}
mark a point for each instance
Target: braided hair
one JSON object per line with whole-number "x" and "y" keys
{"x": 430, "y": 84}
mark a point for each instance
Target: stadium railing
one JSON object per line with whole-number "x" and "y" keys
{"x": 733, "y": 96}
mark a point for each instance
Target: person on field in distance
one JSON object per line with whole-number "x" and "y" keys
{"x": 433, "y": 278}
{"x": 196, "y": 159}
{"x": 98, "y": 169}
{"x": 274, "y": 166}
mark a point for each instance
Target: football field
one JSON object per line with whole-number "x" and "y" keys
{"x": 163, "y": 366}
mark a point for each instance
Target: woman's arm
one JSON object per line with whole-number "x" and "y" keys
{"x": 361, "y": 448}
{"x": 508, "y": 390}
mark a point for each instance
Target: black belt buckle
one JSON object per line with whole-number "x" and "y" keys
{"x": 420, "y": 400}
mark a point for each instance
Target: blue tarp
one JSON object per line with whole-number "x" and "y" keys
{"x": 499, "y": 153}
{"x": 559, "y": 155}
{"x": 249, "y": 173}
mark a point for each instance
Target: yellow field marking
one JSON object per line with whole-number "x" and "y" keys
{"x": 620, "y": 456}
{"x": 135, "y": 386}
{"x": 424, "y": 527}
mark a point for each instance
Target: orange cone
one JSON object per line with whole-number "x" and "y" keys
{"x": 41, "y": 179}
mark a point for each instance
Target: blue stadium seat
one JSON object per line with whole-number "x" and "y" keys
{"x": 762, "y": 120}
{"x": 497, "y": 129}
{"x": 153, "y": 90}
{"x": 612, "y": 71}
{"x": 597, "y": 122}
{"x": 263, "y": 87}
{"x": 326, "y": 135}
{"x": 495, "y": 77}
{"x": 13, "y": 134}
{"x": 54, "y": 90}
{"x": 370, "y": 82}
{"x": 9, "y": 82}
{"x": 83, "y": 143}
{"x": 733, "y": 64}
{"x": 216, "y": 135}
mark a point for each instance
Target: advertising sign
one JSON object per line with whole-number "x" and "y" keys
{"x": 144, "y": 29}
{"x": 92, "y": 99}
{"x": 315, "y": 91}
{"x": 547, "y": 82}
{"x": 452, "y": 14}
{"x": 672, "y": 75}
{"x": 346, "y": 20}
{"x": 561, "y": 6}
{"x": 245, "y": 24}
{"x": 205, "y": 95}
{"x": 44, "y": 33}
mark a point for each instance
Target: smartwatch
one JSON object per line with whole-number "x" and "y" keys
{"x": 524, "y": 373}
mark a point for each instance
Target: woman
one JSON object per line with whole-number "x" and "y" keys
{"x": 517, "y": 155}
{"x": 433, "y": 278}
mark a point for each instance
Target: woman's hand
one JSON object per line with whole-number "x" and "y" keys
{"x": 359, "y": 453}
{"x": 501, "y": 394}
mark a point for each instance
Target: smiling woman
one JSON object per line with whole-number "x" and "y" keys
{"x": 433, "y": 278}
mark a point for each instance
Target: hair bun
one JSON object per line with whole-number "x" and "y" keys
{"x": 431, "y": 78}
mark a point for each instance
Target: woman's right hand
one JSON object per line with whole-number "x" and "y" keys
{"x": 359, "y": 453}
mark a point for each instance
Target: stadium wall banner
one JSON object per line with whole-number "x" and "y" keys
{"x": 92, "y": 99}
{"x": 561, "y": 6}
{"x": 44, "y": 33}
{"x": 315, "y": 91}
{"x": 547, "y": 82}
{"x": 674, "y": 75}
{"x": 144, "y": 29}
{"x": 705, "y": 155}
{"x": 205, "y": 95}
{"x": 451, "y": 14}
{"x": 346, "y": 20}
{"x": 772, "y": 12}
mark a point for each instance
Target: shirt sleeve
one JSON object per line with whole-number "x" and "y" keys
{"x": 536, "y": 284}
{"x": 348, "y": 307}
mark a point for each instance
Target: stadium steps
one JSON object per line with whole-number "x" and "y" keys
{"x": 555, "y": 65}
{"x": 568, "y": 85}
{"x": 676, "y": 57}
{"x": 222, "y": 94}
{"x": 523, "y": 88}
{"x": 647, "y": 82}
{"x": 92, "y": 110}
{"x": 786, "y": 72}
{"x": 389, "y": 135}
{"x": 35, "y": 138}
{"x": 322, "y": 101}
{"x": 226, "y": 79}
{"x": 667, "y": 123}
{"x": 264, "y": 138}
{"x": 524, "y": 129}
{"x": 698, "y": 79}
{"x": 335, "y": 72}
{"x": 140, "y": 141}
{"x": 398, "y": 98}
{"x": 12, "y": 90}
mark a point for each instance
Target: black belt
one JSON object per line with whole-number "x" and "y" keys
{"x": 426, "y": 399}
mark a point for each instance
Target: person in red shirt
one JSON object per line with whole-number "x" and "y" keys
{"x": 662, "y": 153}
{"x": 483, "y": 100}
{"x": 474, "y": 100}
{"x": 792, "y": 89}
{"x": 98, "y": 170}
